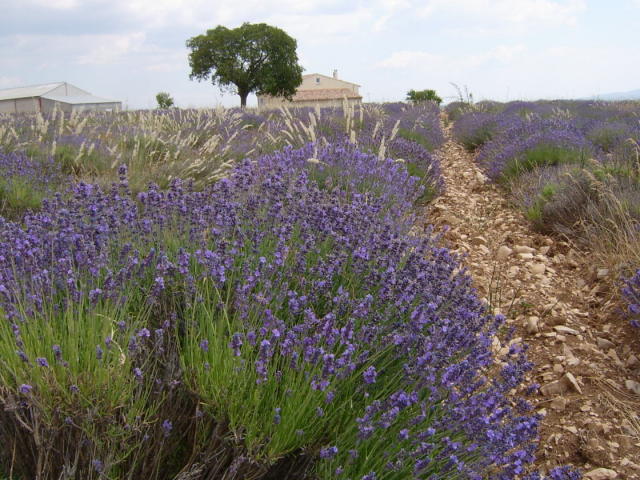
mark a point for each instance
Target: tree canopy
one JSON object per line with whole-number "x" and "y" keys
{"x": 251, "y": 58}
{"x": 417, "y": 96}
{"x": 164, "y": 100}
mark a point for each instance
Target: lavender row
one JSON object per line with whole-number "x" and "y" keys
{"x": 278, "y": 323}
{"x": 572, "y": 167}
{"x": 203, "y": 145}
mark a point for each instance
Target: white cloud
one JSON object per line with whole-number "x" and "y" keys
{"x": 501, "y": 53}
{"x": 410, "y": 59}
{"x": 110, "y": 48}
{"x": 207, "y": 14}
{"x": 55, "y": 4}
{"x": 320, "y": 28}
{"x": 510, "y": 12}
{"x": 427, "y": 61}
{"x": 9, "y": 82}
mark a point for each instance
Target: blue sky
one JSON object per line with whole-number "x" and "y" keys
{"x": 500, "y": 49}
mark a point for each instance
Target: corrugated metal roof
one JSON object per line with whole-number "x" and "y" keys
{"x": 78, "y": 99}
{"x": 27, "y": 92}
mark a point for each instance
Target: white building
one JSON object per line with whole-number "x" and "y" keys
{"x": 45, "y": 98}
{"x": 316, "y": 89}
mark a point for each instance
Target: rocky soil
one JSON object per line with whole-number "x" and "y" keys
{"x": 566, "y": 308}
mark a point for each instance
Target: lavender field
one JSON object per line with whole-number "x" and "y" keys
{"x": 199, "y": 294}
{"x": 573, "y": 167}
{"x": 310, "y": 240}
{"x": 225, "y": 294}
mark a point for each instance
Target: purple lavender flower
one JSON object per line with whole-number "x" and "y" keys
{"x": 277, "y": 418}
{"x": 57, "y": 352}
{"x": 98, "y": 466}
{"x": 42, "y": 362}
{"x": 631, "y": 293}
{"x": 236, "y": 344}
{"x": 370, "y": 375}
{"x": 167, "y": 426}
{"x": 25, "y": 388}
{"x": 328, "y": 452}
{"x": 144, "y": 333}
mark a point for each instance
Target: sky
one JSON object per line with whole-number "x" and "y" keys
{"x": 130, "y": 50}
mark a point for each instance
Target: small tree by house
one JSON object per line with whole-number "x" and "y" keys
{"x": 251, "y": 58}
{"x": 164, "y": 100}
{"x": 418, "y": 96}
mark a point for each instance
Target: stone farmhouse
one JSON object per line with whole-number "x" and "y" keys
{"x": 47, "y": 97}
{"x": 316, "y": 90}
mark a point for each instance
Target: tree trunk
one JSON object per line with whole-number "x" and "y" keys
{"x": 243, "y": 99}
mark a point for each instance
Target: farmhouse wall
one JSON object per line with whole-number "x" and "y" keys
{"x": 321, "y": 82}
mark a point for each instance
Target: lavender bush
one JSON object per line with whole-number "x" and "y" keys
{"x": 280, "y": 323}
{"x": 24, "y": 182}
{"x": 269, "y": 317}
{"x": 573, "y": 168}
{"x": 475, "y": 129}
{"x": 526, "y": 145}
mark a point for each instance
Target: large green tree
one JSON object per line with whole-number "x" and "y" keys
{"x": 251, "y": 58}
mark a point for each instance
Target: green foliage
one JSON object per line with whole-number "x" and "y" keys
{"x": 414, "y": 136}
{"x": 535, "y": 213}
{"x": 17, "y": 196}
{"x": 164, "y": 100}
{"x": 418, "y": 96}
{"x": 80, "y": 161}
{"x": 479, "y": 137}
{"x": 542, "y": 156}
{"x": 251, "y": 58}
{"x": 430, "y": 192}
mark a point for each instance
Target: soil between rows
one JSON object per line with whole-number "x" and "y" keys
{"x": 563, "y": 307}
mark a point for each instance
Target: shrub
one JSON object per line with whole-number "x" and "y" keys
{"x": 164, "y": 100}
{"x": 475, "y": 129}
{"x": 418, "y": 96}
{"x": 542, "y": 155}
{"x": 455, "y": 110}
{"x": 24, "y": 182}
{"x": 294, "y": 325}
{"x": 609, "y": 135}
{"x": 524, "y": 145}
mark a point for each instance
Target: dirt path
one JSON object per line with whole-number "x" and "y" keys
{"x": 560, "y": 306}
